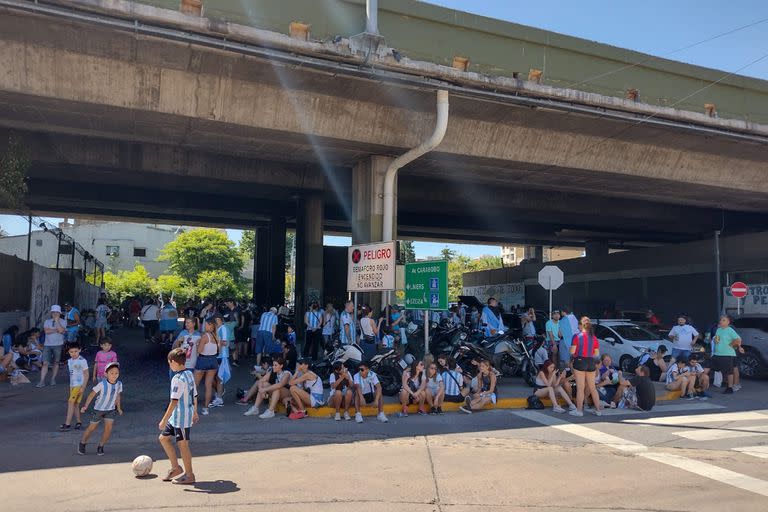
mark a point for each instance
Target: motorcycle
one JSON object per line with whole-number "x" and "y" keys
{"x": 514, "y": 356}
{"x": 350, "y": 355}
{"x": 385, "y": 365}
{"x": 388, "y": 368}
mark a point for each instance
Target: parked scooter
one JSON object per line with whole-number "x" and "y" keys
{"x": 514, "y": 356}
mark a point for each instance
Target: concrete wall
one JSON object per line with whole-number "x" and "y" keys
{"x": 670, "y": 279}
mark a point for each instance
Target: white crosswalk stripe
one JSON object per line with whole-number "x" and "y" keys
{"x": 715, "y": 434}
{"x": 760, "y": 451}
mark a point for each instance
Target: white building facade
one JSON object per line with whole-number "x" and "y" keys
{"x": 119, "y": 245}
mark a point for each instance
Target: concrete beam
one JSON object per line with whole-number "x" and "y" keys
{"x": 120, "y": 72}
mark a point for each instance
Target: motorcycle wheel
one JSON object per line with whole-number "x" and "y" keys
{"x": 390, "y": 379}
{"x": 508, "y": 365}
{"x": 529, "y": 374}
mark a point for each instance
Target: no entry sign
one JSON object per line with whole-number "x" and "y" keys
{"x": 739, "y": 290}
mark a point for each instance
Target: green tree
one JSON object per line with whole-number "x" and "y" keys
{"x": 447, "y": 254}
{"x": 487, "y": 262}
{"x": 199, "y": 250}
{"x": 456, "y": 268}
{"x": 128, "y": 283}
{"x": 170, "y": 285}
{"x": 408, "y": 252}
{"x": 247, "y": 243}
{"x": 218, "y": 283}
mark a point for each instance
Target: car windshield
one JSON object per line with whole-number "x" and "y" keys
{"x": 634, "y": 333}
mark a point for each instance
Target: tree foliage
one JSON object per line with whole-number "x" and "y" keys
{"x": 247, "y": 245}
{"x": 171, "y": 285}
{"x": 125, "y": 284}
{"x": 202, "y": 250}
{"x": 408, "y": 252}
{"x": 447, "y": 254}
{"x": 461, "y": 264}
{"x": 218, "y": 283}
{"x": 14, "y": 164}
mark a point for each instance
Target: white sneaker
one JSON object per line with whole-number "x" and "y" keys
{"x": 269, "y": 413}
{"x": 252, "y": 411}
{"x": 558, "y": 409}
{"x": 596, "y": 412}
{"x": 382, "y": 417}
{"x": 576, "y": 412}
{"x": 218, "y": 402}
{"x": 736, "y": 387}
{"x": 358, "y": 417}
{"x": 337, "y": 417}
{"x": 572, "y": 407}
{"x": 347, "y": 417}
{"x": 204, "y": 412}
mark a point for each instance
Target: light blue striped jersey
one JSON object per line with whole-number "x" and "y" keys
{"x": 268, "y": 321}
{"x": 452, "y": 381}
{"x": 183, "y": 389}
{"x": 313, "y": 319}
{"x": 106, "y": 395}
{"x": 348, "y": 319}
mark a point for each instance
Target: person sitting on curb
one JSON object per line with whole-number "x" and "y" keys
{"x": 549, "y": 383}
{"x": 607, "y": 380}
{"x": 453, "y": 380}
{"x": 657, "y": 366}
{"x": 367, "y": 390}
{"x": 262, "y": 374}
{"x": 435, "y": 390}
{"x": 414, "y": 388}
{"x": 275, "y": 390}
{"x": 699, "y": 375}
{"x": 341, "y": 384}
{"x": 306, "y": 390}
{"x": 637, "y": 391}
{"x": 486, "y": 393}
{"x": 679, "y": 379}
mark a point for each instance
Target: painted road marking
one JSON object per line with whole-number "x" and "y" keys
{"x": 704, "y": 418}
{"x": 759, "y": 451}
{"x": 696, "y": 467}
{"x": 715, "y": 434}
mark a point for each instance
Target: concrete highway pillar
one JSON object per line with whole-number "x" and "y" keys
{"x": 261, "y": 266}
{"x": 309, "y": 256}
{"x": 596, "y": 248}
{"x": 276, "y": 287}
{"x": 368, "y": 209}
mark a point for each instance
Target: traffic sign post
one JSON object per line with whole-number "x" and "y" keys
{"x": 426, "y": 287}
{"x": 739, "y": 290}
{"x": 551, "y": 278}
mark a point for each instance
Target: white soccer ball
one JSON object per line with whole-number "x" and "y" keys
{"x": 142, "y": 465}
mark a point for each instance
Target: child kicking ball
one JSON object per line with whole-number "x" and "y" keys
{"x": 178, "y": 419}
{"x": 108, "y": 394}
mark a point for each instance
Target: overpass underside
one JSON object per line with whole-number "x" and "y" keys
{"x": 125, "y": 124}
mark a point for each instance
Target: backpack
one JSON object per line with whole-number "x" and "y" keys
{"x": 534, "y": 402}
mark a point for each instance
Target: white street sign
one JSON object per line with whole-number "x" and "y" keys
{"x": 551, "y": 277}
{"x": 371, "y": 267}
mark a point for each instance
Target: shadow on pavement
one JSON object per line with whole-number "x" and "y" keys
{"x": 214, "y": 487}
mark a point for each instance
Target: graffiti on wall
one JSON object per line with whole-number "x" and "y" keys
{"x": 45, "y": 293}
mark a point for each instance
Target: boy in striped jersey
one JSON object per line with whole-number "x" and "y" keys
{"x": 178, "y": 419}
{"x": 108, "y": 394}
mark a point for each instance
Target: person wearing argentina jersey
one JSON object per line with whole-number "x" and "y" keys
{"x": 108, "y": 395}
{"x": 306, "y": 390}
{"x": 178, "y": 419}
{"x": 348, "y": 324}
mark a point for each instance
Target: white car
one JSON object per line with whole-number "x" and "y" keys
{"x": 624, "y": 341}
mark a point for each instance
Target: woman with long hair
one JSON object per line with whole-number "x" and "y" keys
{"x": 414, "y": 388}
{"x": 207, "y": 365}
{"x": 549, "y": 382}
{"x": 585, "y": 349}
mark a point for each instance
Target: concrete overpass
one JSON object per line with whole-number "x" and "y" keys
{"x": 135, "y": 111}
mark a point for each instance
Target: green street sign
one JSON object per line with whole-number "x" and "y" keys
{"x": 426, "y": 285}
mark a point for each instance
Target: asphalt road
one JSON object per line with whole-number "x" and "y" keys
{"x": 683, "y": 456}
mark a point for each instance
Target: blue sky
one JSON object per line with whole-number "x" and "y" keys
{"x": 655, "y": 27}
